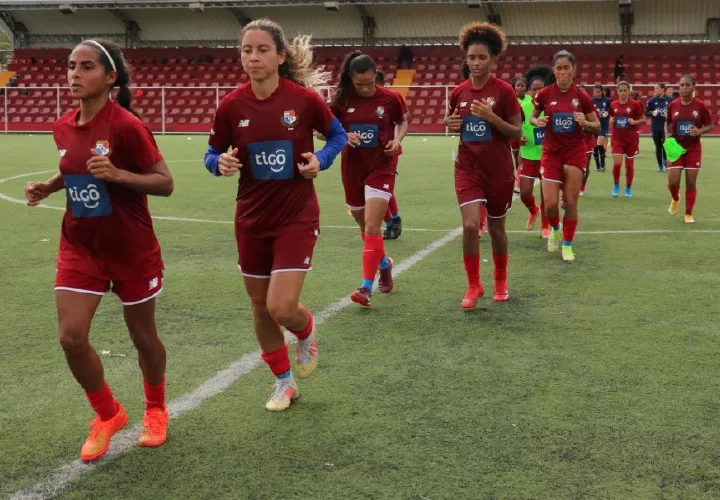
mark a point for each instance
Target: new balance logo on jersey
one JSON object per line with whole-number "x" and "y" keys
{"x": 87, "y": 196}
{"x": 271, "y": 160}
{"x": 243, "y": 123}
{"x": 463, "y": 104}
{"x": 153, "y": 284}
{"x": 386, "y": 186}
{"x": 553, "y": 103}
{"x": 351, "y": 110}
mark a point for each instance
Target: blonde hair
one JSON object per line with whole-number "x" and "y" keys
{"x": 298, "y": 66}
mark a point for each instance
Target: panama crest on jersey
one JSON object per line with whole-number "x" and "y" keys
{"x": 491, "y": 101}
{"x": 102, "y": 148}
{"x": 695, "y": 114}
{"x": 289, "y": 118}
{"x": 380, "y": 111}
{"x": 575, "y": 102}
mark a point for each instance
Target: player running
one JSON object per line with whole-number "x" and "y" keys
{"x": 688, "y": 118}
{"x": 376, "y": 121}
{"x": 568, "y": 112}
{"x": 486, "y": 112}
{"x": 531, "y": 151}
{"x": 602, "y": 108}
{"x": 267, "y": 124}
{"x": 656, "y": 109}
{"x": 625, "y": 115}
{"x": 109, "y": 163}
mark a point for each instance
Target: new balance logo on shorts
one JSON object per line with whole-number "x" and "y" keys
{"x": 153, "y": 284}
{"x": 271, "y": 160}
{"x": 475, "y": 129}
{"x": 87, "y": 196}
{"x": 368, "y": 135}
{"x": 307, "y": 261}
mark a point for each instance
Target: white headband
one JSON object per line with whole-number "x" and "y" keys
{"x": 112, "y": 63}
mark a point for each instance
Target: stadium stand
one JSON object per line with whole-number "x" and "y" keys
{"x": 178, "y": 85}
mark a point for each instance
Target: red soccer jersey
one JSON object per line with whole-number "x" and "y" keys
{"x": 107, "y": 231}
{"x": 478, "y": 139}
{"x": 374, "y": 119}
{"x": 622, "y": 130}
{"x": 681, "y": 118}
{"x": 562, "y": 133}
{"x": 270, "y": 135}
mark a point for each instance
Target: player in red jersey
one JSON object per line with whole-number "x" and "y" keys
{"x": 687, "y": 119}
{"x": 376, "y": 121}
{"x": 108, "y": 164}
{"x": 267, "y": 124}
{"x": 393, "y": 221}
{"x": 625, "y": 116}
{"x": 486, "y": 113}
{"x": 568, "y": 113}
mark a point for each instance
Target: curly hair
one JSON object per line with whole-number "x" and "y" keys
{"x": 484, "y": 33}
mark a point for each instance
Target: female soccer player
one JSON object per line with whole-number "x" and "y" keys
{"x": 531, "y": 150}
{"x": 108, "y": 164}
{"x": 625, "y": 115}
{"x": 376, "y": 121}
{"x": 656, "y": 109}
{"x": 602, "y": 108}
{"x": 267, "y": 124}
{"x": 486, "y": 112}
{"x": 393, "y": 221}
{"x": 520, "y": 86}
{"x": 687, "y": 119}
{"x": 568, "y": 112}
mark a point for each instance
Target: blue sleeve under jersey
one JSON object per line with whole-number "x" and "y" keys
{"x": 212, "y": 157}
{"x": 336, "y": 139}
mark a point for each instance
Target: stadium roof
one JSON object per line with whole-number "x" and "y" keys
{"x": 160, "y": 4}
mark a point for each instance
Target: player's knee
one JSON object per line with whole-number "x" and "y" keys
{"x": 260, "y": 308}
{"x": 471, "y": 225}
{"x": 496, "y": 232}
{"x": 73, "y": 339}
{"x": 283, "y": 312}
{"x": 143, "y": 338}
{"x": 570, "y": 204}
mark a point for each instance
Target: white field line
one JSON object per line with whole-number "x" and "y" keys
{"x": 125, "y": 440}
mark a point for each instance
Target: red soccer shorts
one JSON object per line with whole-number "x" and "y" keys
{"x": 473, "y": 186}
{"x": 691, "y": 160}
{"x": 379, "y": 181}
{"x": 261, "y": 257}
{"x": 130, "y": 292}
{"x": 530, "y": 168}
{"x": 552, "y": 166}
{"x": 629, "y": 149}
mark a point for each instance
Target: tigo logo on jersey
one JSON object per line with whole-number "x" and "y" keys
{"x": 380, "y": 111}
{"x": 102, "y": 148}
{"x": 475, "y": 129}
{"x": 87, "y": 196}
{"x": 684, "y": 128}
{"x": 563, "y": 123}
{"x": 621, "y": 122}
{"x": 271, "y": 160}
{"x": 368, "y": 135}
{"x": 539, "y": 133}
{"x": 289, "y": 118}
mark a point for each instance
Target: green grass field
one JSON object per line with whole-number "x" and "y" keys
{"x": 598, "y": 379}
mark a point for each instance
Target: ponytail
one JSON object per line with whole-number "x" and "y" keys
{"x": 112, "y": 59}
{"x": 355, "y": 62}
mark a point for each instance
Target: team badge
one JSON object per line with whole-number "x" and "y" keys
{"x": 289, "y": 118}
{"x": 102, "y": 148}
{"x": 695, "y": 114}
{"x": 627, "y": 110}
{"x": 575, "y": 103}
{"x": 490, "y": 101}
{"x": 380, "y": 111}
